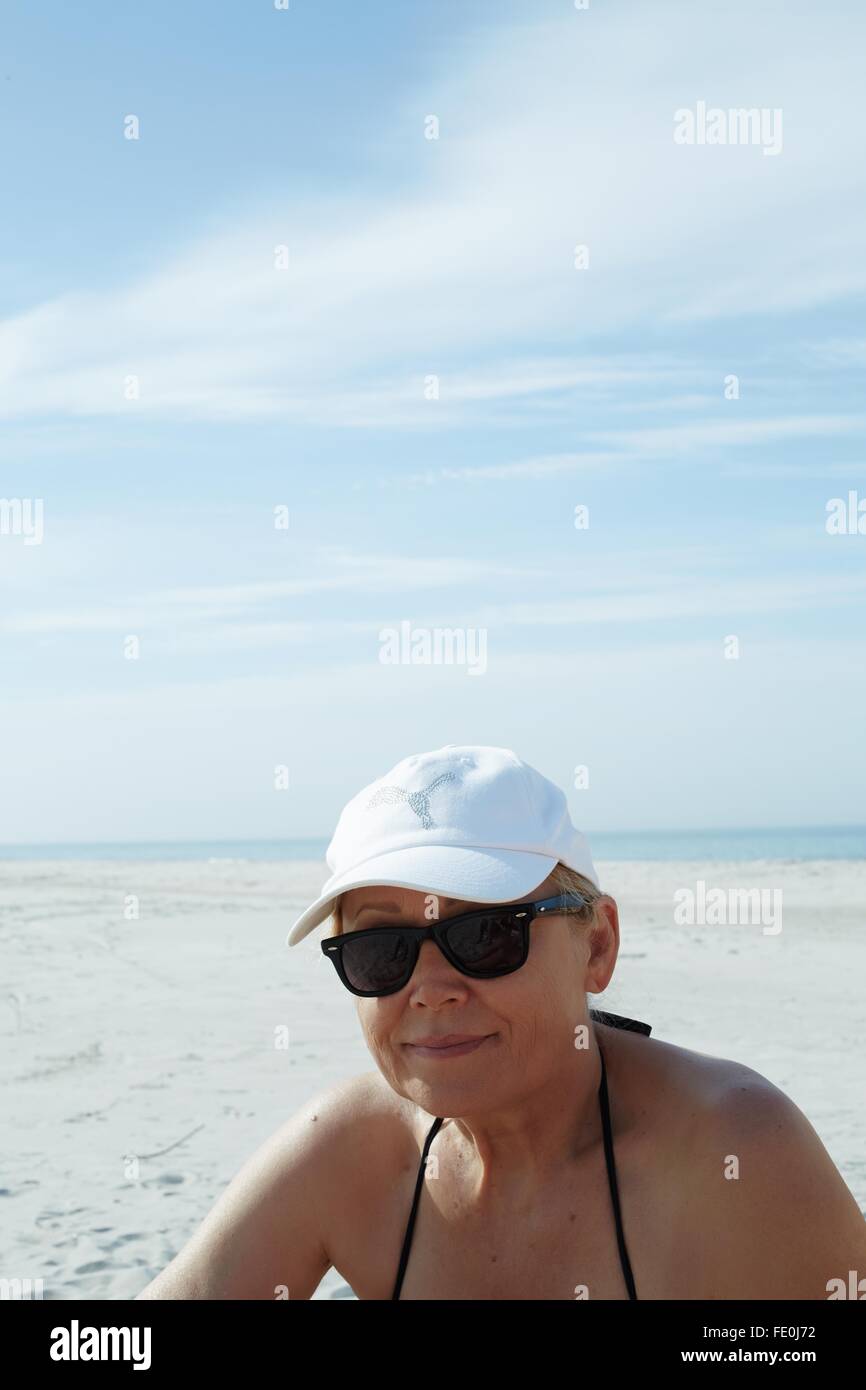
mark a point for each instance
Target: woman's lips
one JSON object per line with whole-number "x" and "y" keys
{"x": 454, "y": 1050}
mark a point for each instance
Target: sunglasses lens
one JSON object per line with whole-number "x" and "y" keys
{"x": 377, "y": 964}
{"x": 491, "y": 943}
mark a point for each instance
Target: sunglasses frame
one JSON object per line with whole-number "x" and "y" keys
{"x": 522, "y": 914}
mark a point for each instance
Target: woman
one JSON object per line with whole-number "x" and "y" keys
{"x": 515, "y": 1143}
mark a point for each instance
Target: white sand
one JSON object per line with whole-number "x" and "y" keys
{"x": 155, "y": 1038}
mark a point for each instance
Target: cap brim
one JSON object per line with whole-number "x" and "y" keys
{"x": 473, "y": 875}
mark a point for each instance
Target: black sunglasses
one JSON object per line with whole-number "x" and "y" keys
{"x": 484, "y": 944}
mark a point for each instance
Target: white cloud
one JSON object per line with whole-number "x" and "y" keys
{"x": 840, "y": 352}
{"x": 632, "y": 588}
{"x": 552, "y": 134}
{"x": 338, "y": 572}
{"x": 686, "y": 437}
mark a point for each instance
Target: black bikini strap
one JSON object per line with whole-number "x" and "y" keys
{"x": 611, "y": 1174}
{"x": 407, "y": 1239}
{"x": 631, "y": 1025}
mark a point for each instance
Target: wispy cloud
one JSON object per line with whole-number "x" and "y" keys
{"x": 545, "y": 466}
{"x": 690, "y": 436}
{"x": 479, "y": 254}
{"x": 631, "y": 589}
{"x": 840, "y": 352}
{"x": 339, "y": 572}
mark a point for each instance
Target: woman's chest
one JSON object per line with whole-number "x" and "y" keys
{"x": 565, "y": 1244}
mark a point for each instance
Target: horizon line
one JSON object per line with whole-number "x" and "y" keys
{"x": 317, "y": 839}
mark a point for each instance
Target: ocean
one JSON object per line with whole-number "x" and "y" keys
{"x": 657, "y": 846}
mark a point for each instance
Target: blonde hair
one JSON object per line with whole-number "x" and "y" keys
{"x": 568, "y": 881}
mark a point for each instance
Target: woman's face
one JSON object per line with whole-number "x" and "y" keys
{"x": 528, "y": 1018}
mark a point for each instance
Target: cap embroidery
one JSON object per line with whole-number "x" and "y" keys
{"x": 419, "y": 801}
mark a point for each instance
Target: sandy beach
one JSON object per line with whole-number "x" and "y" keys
{"x": 143, "y": 1008}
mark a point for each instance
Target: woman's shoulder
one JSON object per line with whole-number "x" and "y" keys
{"x": 745, "y": 1165}
{"x": 364, "y": 1185}
{"x": 722, "y": 1100}
{"x": 685, "y": 1100}
{"x": 283, "y": 1219}
{"x": 365, "y": 1117}
{"x": 346, "y": 1120}
{"x": 673, "y": 1081}
{"x": 707, "y": 1077}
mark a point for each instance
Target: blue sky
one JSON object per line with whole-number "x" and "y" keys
{"x": 409, "y": 258}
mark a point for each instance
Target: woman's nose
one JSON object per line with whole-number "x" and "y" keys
{"x": 434, "y": 972}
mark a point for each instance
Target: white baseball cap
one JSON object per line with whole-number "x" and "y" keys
{"x": 466, "y": 820}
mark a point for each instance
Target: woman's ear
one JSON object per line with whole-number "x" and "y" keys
{"x": 603, "y": 943}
